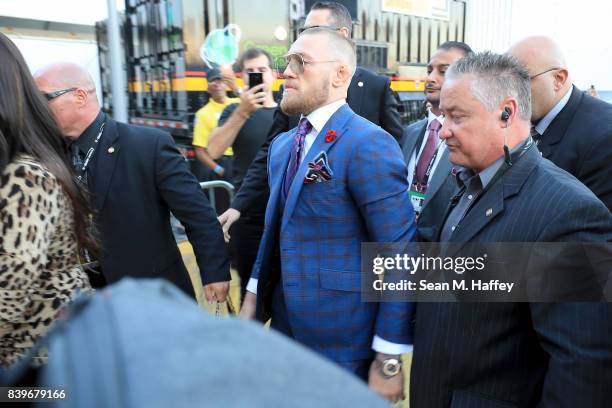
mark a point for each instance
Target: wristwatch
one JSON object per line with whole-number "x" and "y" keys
{"x": 390, "y": 367}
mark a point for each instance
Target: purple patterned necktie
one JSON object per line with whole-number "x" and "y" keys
{"x": 428, "y": 150}
{"x": 303, "y": 129}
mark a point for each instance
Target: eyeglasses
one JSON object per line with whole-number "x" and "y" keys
{"x": 302, "y": 29}
{"x": 53, "y": 95}
{"x": 542, "y": 73}
{"x": 297, "y": 63}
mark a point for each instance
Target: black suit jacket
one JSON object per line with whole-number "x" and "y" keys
{"x": 140, "y": 176}
{"x": 441, "y": 184}
{"x": 519, "y": 354}
{"x": 369, "y": 96}
{"x": 579, "y": 140}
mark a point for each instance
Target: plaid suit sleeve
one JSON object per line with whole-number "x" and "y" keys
{"x": 378, "y": 183}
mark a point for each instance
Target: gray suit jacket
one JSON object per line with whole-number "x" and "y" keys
{"x": 440, "y": 187}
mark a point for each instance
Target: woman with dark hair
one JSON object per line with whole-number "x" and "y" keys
{"x": 43, "y": 213}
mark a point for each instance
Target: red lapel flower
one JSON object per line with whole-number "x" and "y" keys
{"x": 330, "y": 136}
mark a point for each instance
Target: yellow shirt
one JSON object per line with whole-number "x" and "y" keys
{"x": 206, "y": 119}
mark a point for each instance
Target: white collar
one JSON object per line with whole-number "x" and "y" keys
{"x": 431, "y": 116}
{"x": 320, "y": 116}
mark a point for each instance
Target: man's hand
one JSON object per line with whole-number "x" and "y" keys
{"x": 227, "y": 219}
{"x": 216, "y": 292}
{"x": 247, "y": 311}
{"x": 392, "y": 389}
{"x": 228, "y": 77}
{"x": 251, "y": 100}
{"x": 219, "y": 170}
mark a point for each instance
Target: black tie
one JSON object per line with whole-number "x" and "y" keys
{"x": 473, "y": 188}
{"x": 77, "y": 161}
{"x": 535, "y": 135}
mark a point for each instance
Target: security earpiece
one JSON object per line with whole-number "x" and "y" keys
{"x": 506, "y": 114}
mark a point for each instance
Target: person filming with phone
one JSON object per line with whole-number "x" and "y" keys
{"x": 244, "y": 126}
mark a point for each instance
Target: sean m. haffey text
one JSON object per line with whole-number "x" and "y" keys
{"x": 428, "y": 264}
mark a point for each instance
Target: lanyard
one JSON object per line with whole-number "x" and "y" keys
{"x": 91, "y": 151}
{"x": 421, "y": 185}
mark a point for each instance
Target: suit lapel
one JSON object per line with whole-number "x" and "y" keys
{"x": 482, "y": 213}
{"x": 556, "y": 130}
{"x": 414, "y": 139}
{"x": 282, "y": 147}
{"x": 492, "y": 202}
{"x": 337, "y": 123}
{"x": 106, "y": 163}
{"x": 442, "y": 171}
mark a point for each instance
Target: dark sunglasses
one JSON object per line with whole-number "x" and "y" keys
{"x": 53, "y": 95}
{"x": 302, "y": 29}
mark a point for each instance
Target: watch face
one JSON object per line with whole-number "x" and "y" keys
{"x": 391, "y": 367}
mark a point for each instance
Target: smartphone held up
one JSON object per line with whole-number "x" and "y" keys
{"x": 255, "y": 78}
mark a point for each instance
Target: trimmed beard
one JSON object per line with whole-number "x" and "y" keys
{"x": 295, "y": 103}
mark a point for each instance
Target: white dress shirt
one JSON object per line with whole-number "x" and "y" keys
{"x": 416, "y": 154}
{"x": 318, "y": 118}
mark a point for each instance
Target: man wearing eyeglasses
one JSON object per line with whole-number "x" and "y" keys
{"x": 571, "y": 129}
{"x": 336, "y": 180}
{"x": 369, "y": 95}
{"x": 136, "y": 176}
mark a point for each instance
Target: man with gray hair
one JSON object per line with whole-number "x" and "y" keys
{"x": 336, "y": 181}
{"x": 509, "y": 354}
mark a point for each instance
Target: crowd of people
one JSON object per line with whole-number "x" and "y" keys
{"x": 510, "y": 151}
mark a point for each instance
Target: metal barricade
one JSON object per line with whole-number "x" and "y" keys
{"x": 211, "y": 185}
{"x": 177, "y": 228}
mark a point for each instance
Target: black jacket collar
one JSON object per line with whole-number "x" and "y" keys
{"x": 86, "y": 140}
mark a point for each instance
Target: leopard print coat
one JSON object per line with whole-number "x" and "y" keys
{"x": 39, "y": 269}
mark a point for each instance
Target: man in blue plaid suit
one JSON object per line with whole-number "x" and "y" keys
{"x": 336, "y": 180}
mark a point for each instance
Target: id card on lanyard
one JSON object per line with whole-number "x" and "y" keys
{"x": 418, "y": 188}
{"x": 417, "y": 199}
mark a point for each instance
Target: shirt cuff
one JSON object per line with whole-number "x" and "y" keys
{"x": 252, "y": 286}
{"x": 381, "y": 345}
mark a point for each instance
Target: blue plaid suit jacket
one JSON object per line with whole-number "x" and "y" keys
{"x": 319, "y": 235}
